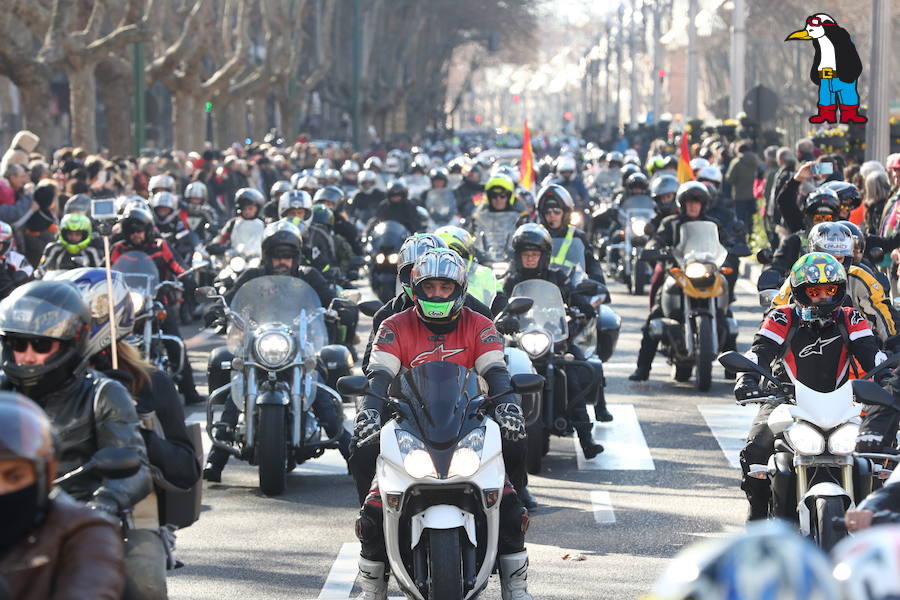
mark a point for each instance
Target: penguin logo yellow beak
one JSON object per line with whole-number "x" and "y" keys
{"x": 799, "y": 35}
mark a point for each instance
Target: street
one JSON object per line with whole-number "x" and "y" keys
{"x": 605, "y": 528}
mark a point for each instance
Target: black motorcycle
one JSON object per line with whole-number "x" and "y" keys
{"x": 383, "y": 242}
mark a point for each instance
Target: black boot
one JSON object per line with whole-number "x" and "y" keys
{"x": 758, "y": 493}
{"x": 212, "y": 473}
{"x": 600, "y": 411}
{"x": 588, "y": 446}
{"x": 645, "y": 358}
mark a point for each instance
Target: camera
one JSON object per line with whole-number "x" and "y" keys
{"x": 103, "y": 213}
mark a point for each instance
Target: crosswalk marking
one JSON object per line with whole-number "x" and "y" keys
{"x": 625, "y": 448}
{"x": 342, "y": 575}
{"x": 602, "y": 506}
{"x": 729, "y": 424}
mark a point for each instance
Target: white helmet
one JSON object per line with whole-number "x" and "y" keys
{"x": 350, "y": 168}
{"x": 366, "y": 176}
{"x": 196, "y": 189}
{"x": 699, "y": 163}
{"x": 867, "y": 563}
{"x": 392, "y": 165}
{"x": 710, "y": 173}
{"x": 164, "y": 200}
{"x": 296, "y": 199}
{"x": 323, "y": 163}
{"x": 372, "y": 163}
{"x": 161, "y": 183}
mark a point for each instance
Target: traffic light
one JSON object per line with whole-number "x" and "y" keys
{"x": 567, "y": 116}
{"x": 479, "y": 118}
{"x": 516, "y": 98}
{"x": 209, "y": 107}
{"x": 661, "y": 74}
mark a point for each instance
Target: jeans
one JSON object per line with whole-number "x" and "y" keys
{"x": 834, "y": 91}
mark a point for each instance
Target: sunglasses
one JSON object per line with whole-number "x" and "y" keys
{"x": 498, "y": 194}
{"x": 553, "y": 211}
{"x": 822, "y": 218}
{"x": 40, "y": 345}
{"x": 822, "y": 291}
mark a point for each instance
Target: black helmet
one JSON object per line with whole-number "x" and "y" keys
{"x": 554, "y": 196}
{"x": 45, "y": 310}
{"x": 330, "y": 194}
{"x": 639, "y": 181}
{"x": 322, "y": 215}
{"x": 532, "y": 236}
{"x": 847, "y": 193}
{"x": 281, "y": 239}
{"x": 692, "y": 190}
{"x": 336, "y": 361}
{"x": 246, "y": 196}
{"x": 398, "y": 188}
{"x": 661, "y": 186}
{"x": 627, "y": 170}
{"x": 822, "y": 204}
{"x": 136, "y": 218}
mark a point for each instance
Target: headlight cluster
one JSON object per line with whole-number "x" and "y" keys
{"x": 416, "y": 459}
{"x": 273, "y": 348}
{"x": 638, "y": 227}
{"x": 843, "y": 439}
{"x": 697, "y": 270}
{"x": 137, "y": 300}
{"x": 804, "y": 439}
{"x": 467, "y": 456}
{"x": 535, "y": 343}
{"x": 390, "y": 259}
{"x": 237, "y": 264}
{"x": 418, "y": 464}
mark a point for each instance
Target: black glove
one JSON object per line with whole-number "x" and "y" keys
{"x": 869, "y": 441}
{"x": 747, "y": 387}
{"x": 507, "y": 324}
{"x": 104, "y": 504}
{"x": 512, "y": 424}
{"x": 213, "y": 315}
{"x": 368, "y": 423}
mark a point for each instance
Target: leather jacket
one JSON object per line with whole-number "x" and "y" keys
{"x": 90, "y": 412}
{"x": 75, "y": 553}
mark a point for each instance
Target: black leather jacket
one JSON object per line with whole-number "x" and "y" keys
{"x": 91, "y": 412}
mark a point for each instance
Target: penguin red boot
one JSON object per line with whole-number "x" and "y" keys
{"x": 827, "y": 114}
{"x": 849, "y": 115}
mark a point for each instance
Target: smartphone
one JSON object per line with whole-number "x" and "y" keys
{"x": 103, "y": 209}
{"x": 823, "y": 168}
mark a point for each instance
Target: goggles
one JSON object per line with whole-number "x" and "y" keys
{"x": 826, "y": 290}
{"x": 498, "y": 193}
{"x": 817, "y": 22}
{"x": 20, "y": 344}
{"x": 553, "y": 211}
{"x": 825, "y": 218}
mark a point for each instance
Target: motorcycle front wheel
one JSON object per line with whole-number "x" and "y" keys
{"x": 535, "y": 447}
{"x": 271, "y": 449}
{"x": 825, "y": 533}
{"x": 705, "y": 353}
{"x": 445, "y": 564}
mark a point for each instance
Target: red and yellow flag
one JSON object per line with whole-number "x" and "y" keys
{"x": 684, "y": 160}
{"x": 526, "y": 162}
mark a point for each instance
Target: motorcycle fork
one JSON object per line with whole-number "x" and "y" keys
{"x": 548, "y": 401}
{"x": 250, "y": 407}
{"x": 561, "y": 402}
{"x": 148, "y": 337}
{"x": 296, "y": 407}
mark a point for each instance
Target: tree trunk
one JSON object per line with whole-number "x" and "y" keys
{"x": 83, "y": 106}
{"x": 286, "y": 108}
{"x": 36, "y": 97}
{"x": 184, "y": 113}
{"x": 115, "y": 86}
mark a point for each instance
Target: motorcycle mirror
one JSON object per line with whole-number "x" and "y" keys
{"x": 765, "y": 256}
{"x": 869, "y": 392}
{"x": 738, "y": 363}
{"x": 876, "y": 254}
{"x": 519, "y": 305}
{"x": 588, "y": 287}
{"x": 370, "y": 307}
{"x": 770, "y": 279}
{"x": 116, "y": 462}
{"x": 527, "y": 383}
{"x": 352, "y": 385}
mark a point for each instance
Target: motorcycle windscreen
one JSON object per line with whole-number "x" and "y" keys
{"x": 387, "y": 235}
{"x": 495, "y": 231}
{"x": 548, "y": 312}
{"x": 639, "y": 202}
{"x": 700, "y": 243}
{"x": 278, "y": 300}
{"x": 438, "y": 394}
{"x": 246, "y": 237}
{"x": 440, "y": 204}
{"x": 141, "y": 274}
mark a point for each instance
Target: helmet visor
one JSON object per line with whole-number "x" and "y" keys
{"x": 36, "y": 317}
{"x": 24, "y": 433}
{"x": 822, "y": 218}
{"x": 826, "y": 290}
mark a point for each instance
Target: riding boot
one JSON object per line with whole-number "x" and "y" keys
{"x": 645, "y": 358}
{"x": 601, "y": 413}
{"x": 527, "y": 498}
{"x": 758, "y": 493}
{"x": 586, "y": 439}
{"x": 372, "y": 580}
{"x": 514, "y": 576}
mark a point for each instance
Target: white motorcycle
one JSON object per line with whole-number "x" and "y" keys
{"x": 441, "y": 476}
{"x": 815, "y": 477}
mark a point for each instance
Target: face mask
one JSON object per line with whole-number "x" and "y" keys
{"x": 19, "y": 511}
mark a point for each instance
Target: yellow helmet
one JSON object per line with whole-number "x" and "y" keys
{"x": 505, "y": 183}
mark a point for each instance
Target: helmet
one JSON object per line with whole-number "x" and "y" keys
{"x": 322, "y": 215}
{"x": 627, "y": 170}
{"x": 295, "y": 199}
{"x": 456, "y": 165}
{"x": 45, "y": 309}
{"x": 332, "y": 176}
{"x": 614, "y": 160}
{"x": 698, "y": 163}
{"x": 866, "y": 563}
{"x": 458, "y": 239}
{"x": 196, "y": 189}
{"x": 833, "y": 239}
{"x": 664, "y": 185}
{"x": 554, "y": 196}
{"x": 821, "y": 204}
{"x": 859, "y": 240}
{"x": 392, "y": 165}
{"x": 710, "y": 173}
{"x": 76, "y": 223}
{"x": 323, "y": 164}
{"x": 349, "y": 170}
{"x": 161, "y": 183}
{"x": 92, "y": 285}
{"x": 281, "y": 239}
{"x": 816, "y": 269}
{"x": 6, "y": 238}
{"x": 306, "y": 182}
{"x": 336, "y": 360}
{"x": 366, "y": 177}
{"x": 692, "y": 190}
{"x": 373, "y": 162}
{"x": 637, "y": 180}
{"x": 439, "y": 263}
{"x": 164, "y": 200}
{"x": 247, "y": 196}
{"x": 565, "y": 168}
{"x": 330, "y": 195}
{"x": 847, "y": 193}
{"x": 136, "y": 218}
{"x": 768, "y": 560}
{"x": 501, "y": 184}
{"x": 278, "y": 188}
{"x": 398, "y": 188}
{"x": 439, "y": 173}
{"x": 532, "y": 236}
{"x": 79, "y": 203}
{"x": 413, "y": 247}
{"x": 508, "y": 171}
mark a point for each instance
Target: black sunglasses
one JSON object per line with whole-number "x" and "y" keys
{"x": 20, "y": 344}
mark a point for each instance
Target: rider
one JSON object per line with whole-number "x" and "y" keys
{"x": 365, "y": 201}
{"x": 248, "y": 204}
{"x": 567, "y": 178}
{"x": 270, "y": 210}
{"x": 555, "y": 208}
{"x": 202, "y": 218}
{"x": 409, "y": 338}
{"x": 398, "y": 207}
{"x": 532, "y": 248}
{"x": 469, "y": 193}
{"x": 73, "y": 248}
{"x": 50, "y": 546}
{"x": 501, "y": 194}
{"x": 813, "y": 340}
{"x": 663, "y": 189}
{"x": 482, "y": 282}
{"x": 280, "y": 256}
{"x": 822, "y": 205}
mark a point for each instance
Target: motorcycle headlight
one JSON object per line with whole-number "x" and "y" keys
{"x": 576, "y": 219}
{"x": 696, "y": 271}
{"x": 804, "y": 439}
{"x": 535, "y": 343}
{"x": 843, "y": 439}
{"x": 380, "y": 258}
{"x": 237, "y": 264}
{"x": 638, "y": 227}
{"x": 197, "y": 257}
{"x": 416, "y": 459}
{"x": 393, "y": 258}
{"x": 273, "y": 348}
{"x": 137, "y": 300}
{"x": 467, "y": 456}
{"x": 500, "y": 268}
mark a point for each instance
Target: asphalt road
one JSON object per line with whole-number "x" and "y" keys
{"x": 605, "y": 528}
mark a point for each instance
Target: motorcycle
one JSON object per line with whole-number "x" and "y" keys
{"x": 814, "y": 476}
{"x": 276, "y": 327}
{"x": 383, "y": 243}
{"x": 623, "y": 252}
{"x": 441, "y": 477}
{"x": 694, "y": 328}
{"x": 494, "y": 231}
{"x": 441, "y": 207}
{"x": 244, "y": 253}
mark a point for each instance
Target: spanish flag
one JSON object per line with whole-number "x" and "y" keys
{"x": 526, "y": 162}
{"x": 684, "y": 160}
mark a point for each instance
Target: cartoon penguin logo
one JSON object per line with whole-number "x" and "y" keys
{"x": 835, "y": 69}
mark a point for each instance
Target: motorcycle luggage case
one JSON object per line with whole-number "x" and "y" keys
{"x": 182, "y": 508}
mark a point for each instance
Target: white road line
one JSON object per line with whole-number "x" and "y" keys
{"x": 627, "y": 366}
{"x": 342, "y": 575}
{"x": 603, "y": 510}
{"x": 747, "y": 286}
{"x": 625, "y": 448}
{"x": 729, "y": 424}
